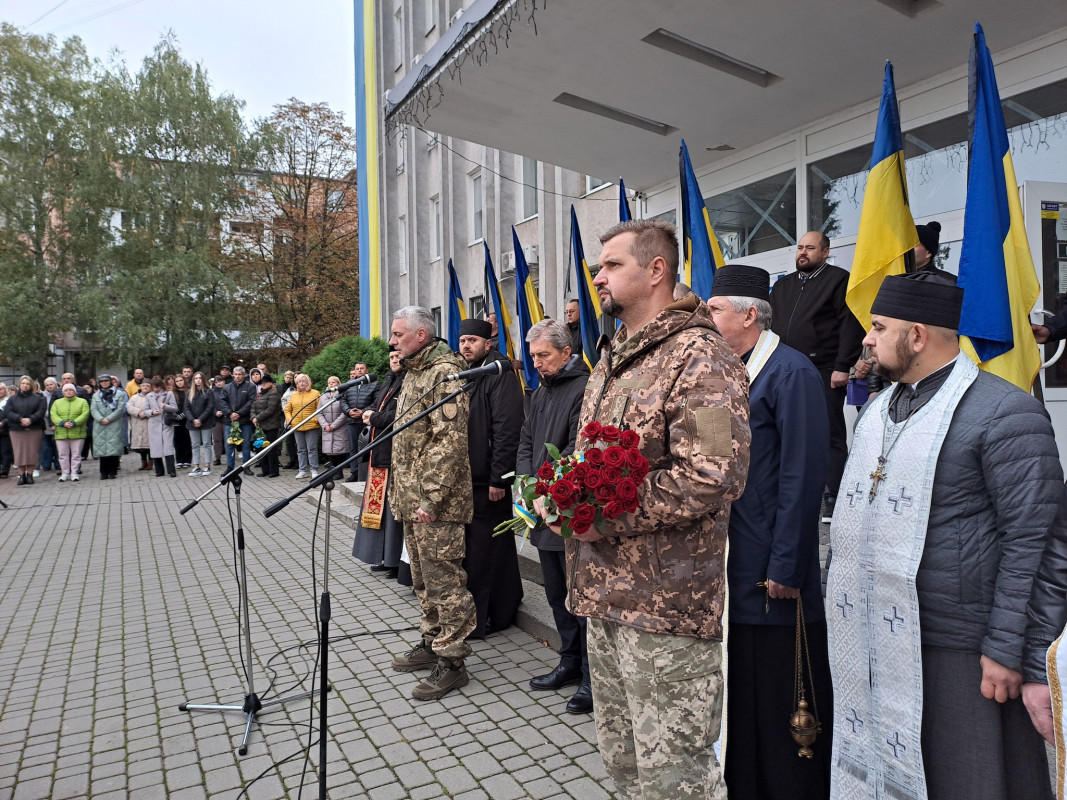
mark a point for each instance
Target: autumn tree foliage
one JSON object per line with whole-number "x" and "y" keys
{"x": 294, "y": 245}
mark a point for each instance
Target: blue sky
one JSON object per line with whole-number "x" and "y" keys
{"x": 261, "y": 51}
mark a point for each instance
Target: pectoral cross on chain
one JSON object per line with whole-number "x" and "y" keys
{"x": 876, "y": 478}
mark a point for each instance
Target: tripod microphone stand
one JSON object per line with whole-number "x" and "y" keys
{"x": 326, "y": 480}
{"x": 251, "y": 704}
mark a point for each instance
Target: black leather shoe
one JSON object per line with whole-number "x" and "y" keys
{"x": 379, "y": 568}
{"x": 582, "y": 701}
{"x": 558, "y": 678}
{"x": 22, "y": 479}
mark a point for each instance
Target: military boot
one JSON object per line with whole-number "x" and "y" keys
{"x": 449, "y": 674}
{"x": 418, "y": 657}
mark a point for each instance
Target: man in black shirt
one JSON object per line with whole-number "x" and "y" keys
{"x": 810, "y": 315}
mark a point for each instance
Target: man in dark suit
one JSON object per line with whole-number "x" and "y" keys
{"x": 774, "y": 554}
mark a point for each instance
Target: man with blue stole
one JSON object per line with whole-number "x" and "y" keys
{"x": 773, "y": 561}
{"x": 949, "y": 492}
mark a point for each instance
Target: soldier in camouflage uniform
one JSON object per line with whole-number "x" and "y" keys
{"x": 430, "y": 492}
{"x": 652, "y": 583}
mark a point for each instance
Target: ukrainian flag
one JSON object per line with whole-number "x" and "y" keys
{"x": 887, "y": 233}
{"x": 503, "y": 318}
{"x": 456, "y": 311}
{"x": 997, "y": 273}
{"x": 528, "y": 307}
{"x": 624, "y": 204}
{"x": 588, "y": 300}
{"x": 701, "y": 248}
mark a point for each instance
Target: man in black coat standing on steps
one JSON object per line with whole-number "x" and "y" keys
{"x": 809, "y": 313}
{"x": 553, "y": 418}
{"x": 496, "y": 416}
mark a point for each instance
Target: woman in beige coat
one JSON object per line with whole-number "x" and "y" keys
{"x": 135, "y": 408}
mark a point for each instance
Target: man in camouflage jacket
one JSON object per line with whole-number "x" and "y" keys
{"x": 652, "y": 583}
{"x": 430, "y": 492}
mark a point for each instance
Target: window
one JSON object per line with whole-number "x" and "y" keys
{"x": 529, "y": 187}
{"x": 476, "y": 307}
{"x": 401, "y": 142}
{"x": 402, "y": 245}
{"x": 756, "y": 218}
{"x": 592, "y": 184}
{"x": 335, "y": 201}
{"x": 477, "y": 208}
{"x": 432, "y": 12}
{"x": 436, "y": 311}
{"x": 398, "y": 37}
{"x": 247, "y": 231}
{"x": 431, "y": 140}
{"x": 936, "y": 162}
{"x": 435, "y": 232}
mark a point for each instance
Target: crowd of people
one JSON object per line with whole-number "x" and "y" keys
{"x": 918, "y": 670}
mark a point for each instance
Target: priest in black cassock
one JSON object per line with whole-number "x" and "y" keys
{"x": 774, "y": 541}
{"x": 496, "y": 417}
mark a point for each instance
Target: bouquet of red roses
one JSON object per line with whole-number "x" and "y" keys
{"x": 599, "y": 482}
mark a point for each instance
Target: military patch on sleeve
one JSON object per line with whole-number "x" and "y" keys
{"x": 632, "y": 383}
{"x": 714, "y": 432}
{"x": 450, "y": 410}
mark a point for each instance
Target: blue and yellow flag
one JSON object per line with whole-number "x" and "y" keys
{"x": 997, "y": 273}
{"x": 456, "y": 311}
{"x": 588, "y": 300}
{"x": 624, "y": 204}
{"x": 503, "y": 318}
{"x": 887, "y": 232}
{"x": 528, "y": 307}
{"x": 702, "y": 253}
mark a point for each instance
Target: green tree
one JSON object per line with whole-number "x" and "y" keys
{"x": 339, "y": 358}
{"x": 296, "y": 246}
{"x": 55, "y": 190}
{"x": 181, "y": 154}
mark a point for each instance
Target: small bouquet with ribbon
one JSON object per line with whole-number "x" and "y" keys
{"x": 236, "y": 436}
{"x": 259, "y": 440}
{"x": 579, "y": 490}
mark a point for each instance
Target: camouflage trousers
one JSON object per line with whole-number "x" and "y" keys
{"x": 658, "y": 706}
{"x": 448, "y": 616}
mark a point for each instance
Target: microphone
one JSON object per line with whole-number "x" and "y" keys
{"x": 492, "y": 368}
{"x": 368, "y": 378}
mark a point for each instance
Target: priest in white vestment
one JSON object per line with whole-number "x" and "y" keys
{"x": 950, "y": 489}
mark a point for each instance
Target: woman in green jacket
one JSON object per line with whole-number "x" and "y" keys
{"x": 69, "y": 414}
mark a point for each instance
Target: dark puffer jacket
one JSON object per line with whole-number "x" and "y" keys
{"x": 25, "y": 405}
{"x": 997, "y": 488}
{"x": 553, "y": 417}
{"x": 496, "y": 417}
{"x": 1048, "y": 601}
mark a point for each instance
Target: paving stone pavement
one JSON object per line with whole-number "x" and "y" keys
{"x": 115, "y": 609}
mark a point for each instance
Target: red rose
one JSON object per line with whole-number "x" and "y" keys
{"x": 629, "y": 439}
{"x": 611, "y": 475}
{"x": 594, "y": 456}
{"x": 609, "y": 433}
{"x": 592, "y": 431}
{"x": 592, "y": 479}
{"x": 613, "y": 510}
{"x": 546, "y": 472}
{"x": 634, "y": 459}
{"x": 563, "y": 492}
{"x": 615, "y": 456}
{"x": 583, "y": 513}
{"x": 626, "y": 490}
{"x": 579, "y": 472}
{"x": 631, "y": 506}
{"x": 604, "y": 494}
{"x": 580, "y": 527}
{"x": 541, "y": 488}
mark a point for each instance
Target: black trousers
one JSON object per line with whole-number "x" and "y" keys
{"x": 269, "y": 464}
{"x": 159, "y": 465}
{"x": 572, "y": 650}
{"x": 761, "y": 756}
{"x": 109, "y": 465}
{"x": 835, "y": 414}
{"x": 6, "y": 454}
{"x": 354, "y": 430}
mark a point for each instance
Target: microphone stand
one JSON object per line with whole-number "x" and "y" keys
{"x": 326, "y": 480}
{"x": 251, "y": 704}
